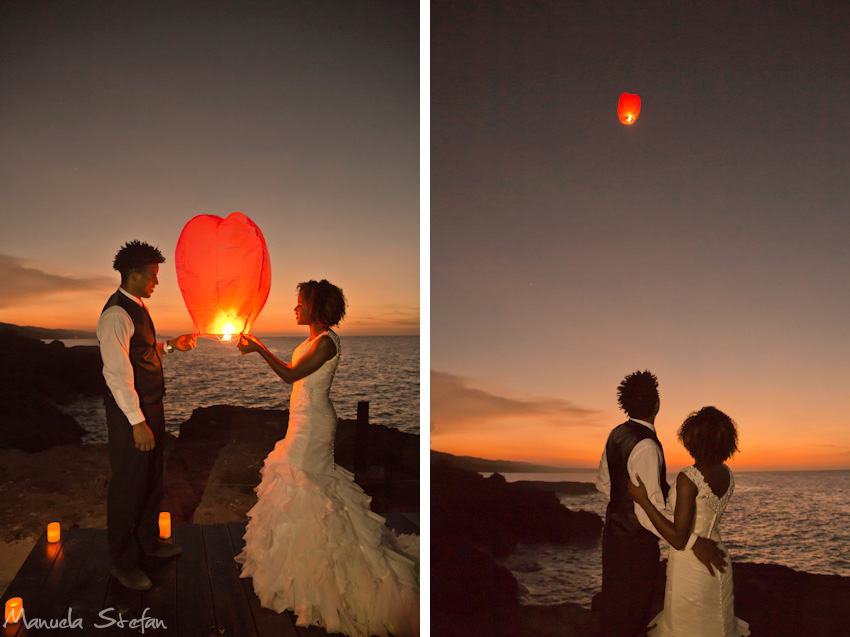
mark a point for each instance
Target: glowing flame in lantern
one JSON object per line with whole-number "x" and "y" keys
{"x": 224, "y": 273}
{"x": 228, "y": 331}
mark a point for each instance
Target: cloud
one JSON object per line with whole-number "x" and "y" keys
{"x": 21, "y": 284}
{"x": 396, "y": 318}
{"x": 455, "y": 405}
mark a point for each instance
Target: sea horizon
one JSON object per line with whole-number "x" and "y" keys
{"x": 784, "y": 517}
{"x": 383, "y": 370}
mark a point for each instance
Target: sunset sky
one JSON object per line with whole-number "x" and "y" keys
{"x": 125, "y": 120}
{"x": 708, "y": 242}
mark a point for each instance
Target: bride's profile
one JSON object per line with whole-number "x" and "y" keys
{"x": 697, "y": 601}
{"x": 312, "y": 544}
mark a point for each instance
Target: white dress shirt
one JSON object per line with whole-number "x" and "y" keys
{"x": 114, "y": 330}
{"x": 645, "y": 459}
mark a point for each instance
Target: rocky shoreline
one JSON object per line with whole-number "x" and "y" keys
{"x": 47, "y": 474}
{"x": 475, "y": 521}
{"x": 211, "y": 471}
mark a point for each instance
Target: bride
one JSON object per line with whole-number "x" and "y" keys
{"x": 312, "y": 545}
{"x": 697, "y": 602}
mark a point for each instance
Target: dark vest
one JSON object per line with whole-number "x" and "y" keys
{"x": 144, "y": 356}
{"x": 620, "y": 518}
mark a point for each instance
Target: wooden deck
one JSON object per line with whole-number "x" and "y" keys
{"x": 198, "y": 594}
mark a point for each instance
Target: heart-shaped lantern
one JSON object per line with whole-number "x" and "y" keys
{"x": 224, "y": 273}
{"x": 628, "y": 108}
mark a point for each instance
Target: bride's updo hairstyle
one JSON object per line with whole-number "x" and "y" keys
{"x": 325, "y": 301}
{"x": 709, "y": 435}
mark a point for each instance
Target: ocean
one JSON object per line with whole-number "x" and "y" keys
{"x": 794, "y": 518}
{"x": 383, "y": 370}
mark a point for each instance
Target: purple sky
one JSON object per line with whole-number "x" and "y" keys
{"x": 124, "y": 120}
{"x": 707, "y": 242}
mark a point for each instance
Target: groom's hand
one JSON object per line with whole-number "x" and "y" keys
{"x": 710, "y": 555}
{"x": 185, "y": 343}
{"x": 143, "y": 436}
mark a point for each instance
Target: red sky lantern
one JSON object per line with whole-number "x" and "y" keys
{"x": 629, "y": 108}
{"x": 224, "y": 273}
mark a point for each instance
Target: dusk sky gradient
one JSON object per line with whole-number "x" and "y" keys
{"x": 708, "y": 242}
{"x": 123, "y": 121}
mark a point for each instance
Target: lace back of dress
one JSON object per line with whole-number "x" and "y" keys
{"x": 710, "y": 508}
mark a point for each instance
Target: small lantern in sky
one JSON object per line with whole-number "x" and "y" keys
{"x": 629, "y": 108}
{"x": 224, "y": 273}
{"x": 53, "y": 532}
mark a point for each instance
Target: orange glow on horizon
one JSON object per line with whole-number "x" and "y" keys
{"x": 759, "y": 452}
{"x": 547, "y": 454}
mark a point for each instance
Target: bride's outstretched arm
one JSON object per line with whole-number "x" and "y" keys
{"x": 322, "y": 350}
{"x": 678, "y": 531}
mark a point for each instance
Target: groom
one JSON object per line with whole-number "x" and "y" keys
{"x": 630, "y": 553}
{"x": 132, "y": 368}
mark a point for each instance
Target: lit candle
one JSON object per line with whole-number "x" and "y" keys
{"x": 14, "y": 608}
{"x": 164, "y": 525}
{"x": 53, "y": 532}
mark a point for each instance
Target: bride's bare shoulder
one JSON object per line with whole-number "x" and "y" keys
{"x": 684, "y": 484}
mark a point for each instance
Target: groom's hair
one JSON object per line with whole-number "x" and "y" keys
{"x": 135, "y": 256}
{"x": 709, "y": 435}
{"x": 638, "y": 394}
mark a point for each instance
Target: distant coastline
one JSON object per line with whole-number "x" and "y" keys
{"x": 44, "y": 332}
{"x": 48, "y": 333}
{"x": 482, "y": 465}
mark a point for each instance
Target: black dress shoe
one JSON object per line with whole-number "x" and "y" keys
{"x": 131, "y": 577}
{"x": 163, "y": 549}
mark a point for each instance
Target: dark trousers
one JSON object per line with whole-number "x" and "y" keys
{"x": 135, "y": 489}
{"x": 630, "y": 576}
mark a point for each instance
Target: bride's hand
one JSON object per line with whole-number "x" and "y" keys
{"x": 248, "y": 344}
{"x": 638, "y": 492}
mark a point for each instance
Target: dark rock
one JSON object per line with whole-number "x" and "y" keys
{"x": 36, "y": 377}
{"x": 234, "y": 442}
{"x": 474, "y": 518}
{"x": 30, "y": 423}
{"x": 466, "y": 579}
{"x": 778, "y": 601}
{"x": 498, "y": 515}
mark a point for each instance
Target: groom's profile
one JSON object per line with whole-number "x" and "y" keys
{"x": 630, "y": 552}
{"x": 132, "y": 369}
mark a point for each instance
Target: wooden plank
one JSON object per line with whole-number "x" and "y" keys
{"x": 232, "y": 613}
{"x": 415, "y": 520}
{"x": 89, "y": 593}
{"x": 160, "y": 602}
{"x": 195, "y": 614}
{"x": 399, "y": 523}
{"x": 30, "y": 579}
{"x": 267, "y": 621}
{"x": 53, "y": 597}
{"x": 123, "y": 602}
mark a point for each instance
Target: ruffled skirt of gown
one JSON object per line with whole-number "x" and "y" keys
{"x": 313, "y": 546}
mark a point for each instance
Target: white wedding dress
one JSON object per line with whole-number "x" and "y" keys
{"x": 312, "y": 544}
{"x": 695, "y": 603}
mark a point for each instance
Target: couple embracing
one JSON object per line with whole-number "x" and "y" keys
{"x": 698, "y": 597}
{"x": 312, "y": 544}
